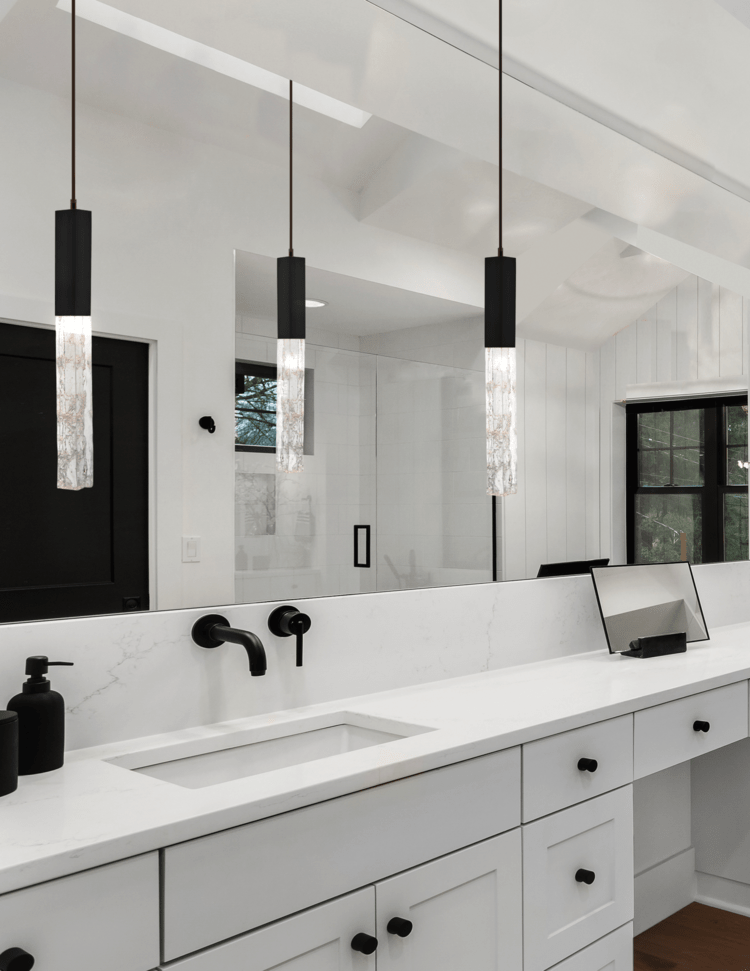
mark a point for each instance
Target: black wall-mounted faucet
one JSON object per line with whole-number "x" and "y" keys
{"x": 213, "y": 630}
{"x": 287, "y": 621}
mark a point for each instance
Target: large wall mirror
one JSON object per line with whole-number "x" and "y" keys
{"x": 183, "y": 161}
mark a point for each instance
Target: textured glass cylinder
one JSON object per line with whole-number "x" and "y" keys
{"x": 502, "y": 442}
{"x": 290, "y": 404}
{"x": 75, "y": 431}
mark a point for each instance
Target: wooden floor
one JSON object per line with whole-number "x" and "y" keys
{"x": 696, "y": 938}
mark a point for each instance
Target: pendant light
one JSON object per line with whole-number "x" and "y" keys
{"x": 500, "y": 349}
{"x": 75, "y": 447}
{"x": 290, "y": 355}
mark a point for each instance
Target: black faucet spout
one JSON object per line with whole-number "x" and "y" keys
{"x": 213, "y": 630}
{"x": 256, "y": 653}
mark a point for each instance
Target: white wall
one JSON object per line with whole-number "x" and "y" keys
{"x": 168, "y": 214}
{"x": 698, "y": 332}
{"x": 555, "y": 514}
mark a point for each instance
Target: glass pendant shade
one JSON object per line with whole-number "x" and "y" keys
{"x": 500, "y": 372}
{"x": 290, "y": 404}
{"x": 502, "y": 440}
{"x": 75, "y": 442}
{"x": 75, "y": 439}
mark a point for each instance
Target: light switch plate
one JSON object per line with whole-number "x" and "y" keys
{"x": 191, "y": 549}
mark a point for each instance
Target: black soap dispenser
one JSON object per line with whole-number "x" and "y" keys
{"x": 41, "y": 720}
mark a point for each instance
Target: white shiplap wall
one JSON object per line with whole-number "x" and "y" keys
{"x": 697, "y": 332}
{"x": 555, "y": 514}
{"x": 571, "y": 434}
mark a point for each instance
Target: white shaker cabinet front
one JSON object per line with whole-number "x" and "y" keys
{"x": 319, "y": 939}
{"x": 107, "y": 918}
{"x": 465, "y": 911}
{"x": 577, "y": 877}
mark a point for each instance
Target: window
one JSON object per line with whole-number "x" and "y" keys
{"x": 687, "y": 475}
{"x": 255, "y": 407}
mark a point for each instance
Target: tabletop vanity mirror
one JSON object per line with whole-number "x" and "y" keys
{"x": 396, "y": 208}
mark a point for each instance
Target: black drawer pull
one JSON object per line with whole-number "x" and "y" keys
{"x": 701, "y": 726}
{"x": 399, "y": 926}
{"x": 588, "y": 765}
{"x": 585, "y": 876}
{"x": 16, "y": 959}
{"x": 364, "y": 943}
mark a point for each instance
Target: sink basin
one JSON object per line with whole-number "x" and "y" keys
{"x": 255, "y": 751}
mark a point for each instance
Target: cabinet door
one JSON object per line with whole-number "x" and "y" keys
{"x": 465, "y": 911}
{"x": 315, "y": 940}
{"x": 577, "y": 877}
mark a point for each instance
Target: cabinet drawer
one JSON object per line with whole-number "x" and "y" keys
{"x": 551, "y": 777}
{"x": 222, "y": 885}
{"x": 318, "y": 940}
{"x": 562, "y": 914}
{"x": 664, "y": 735}
{"x": 612, "y": 953}
{"x": 465, "y": 911}
{"x": 103, "y": 918}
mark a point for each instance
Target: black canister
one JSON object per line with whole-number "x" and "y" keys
{"x": 8, "y": 752}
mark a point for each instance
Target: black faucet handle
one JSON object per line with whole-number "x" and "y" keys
{"x": 288, "y": 621}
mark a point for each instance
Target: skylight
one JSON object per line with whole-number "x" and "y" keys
{"x": 209, "y": 57}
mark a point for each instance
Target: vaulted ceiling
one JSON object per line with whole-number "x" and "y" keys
{"x": 619, "y": 129}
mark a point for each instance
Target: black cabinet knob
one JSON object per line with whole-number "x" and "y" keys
{"x": 399, "y": 926}
{"x": 701, "y": 726}
{"x": 588, "y": 765}
{"x": 364, "y": 943}
{"x": 585, "y": 876}
{"x": 16, "y": 959}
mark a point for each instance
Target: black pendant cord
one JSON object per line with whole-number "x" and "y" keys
{"x": 291, "y": 164}
{"x": 73, "y": 203}
{"x": 500, "y": 119}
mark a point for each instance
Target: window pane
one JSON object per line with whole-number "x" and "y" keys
{"x": 736, "y": 418}
{"x": 660, "y": 521}
{"x": 735, "y": 527}
{"x": 671, "y": 448}
{"x": 654, "y": 468}
{"x": 736, "y": 438}
{"x": 255, "y": 412}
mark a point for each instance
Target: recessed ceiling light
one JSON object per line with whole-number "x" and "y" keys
{"x": 316, "y": 303}
{"x": 215, "y": 60}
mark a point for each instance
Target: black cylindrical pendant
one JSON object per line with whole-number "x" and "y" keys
{"x": 8, "y": 752}
{"x": 72, "y": 263}
{"x": 500, "y": 301}
{"x": 290, "y": 292}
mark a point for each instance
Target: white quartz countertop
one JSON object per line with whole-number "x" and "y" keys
{"x": 91, "y": 812}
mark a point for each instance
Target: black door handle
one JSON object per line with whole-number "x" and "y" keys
{"x": 399, "y": 926}
{"x": 585, "y": 876}
{"x": 364, "y": 943}
{"x": 16, "y": 959}
{"x": 588, "y": 765}
{"x": 701, "y": 726}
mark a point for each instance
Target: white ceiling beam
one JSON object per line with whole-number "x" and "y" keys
{"x": 355, "y": 52}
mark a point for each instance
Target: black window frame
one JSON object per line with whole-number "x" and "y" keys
{"x": 714, "y": 486}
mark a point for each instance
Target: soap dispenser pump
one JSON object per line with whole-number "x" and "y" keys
{"x": 41, "y": 719}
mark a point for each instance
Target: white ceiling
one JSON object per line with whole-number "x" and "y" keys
{"x": 424, "y": 166}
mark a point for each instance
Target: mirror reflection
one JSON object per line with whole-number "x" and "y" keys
{"x": 631, "y": 373}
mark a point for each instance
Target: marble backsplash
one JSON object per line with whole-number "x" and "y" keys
{"x": 141, "y": 674}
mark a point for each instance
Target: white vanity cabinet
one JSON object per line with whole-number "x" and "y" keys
{"x": 465, "y": 912}
{"x": 102, "y": 918}
{"x": 219, "y": 886}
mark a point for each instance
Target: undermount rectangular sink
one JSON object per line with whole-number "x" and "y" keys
{"x": 252, "y": 752}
